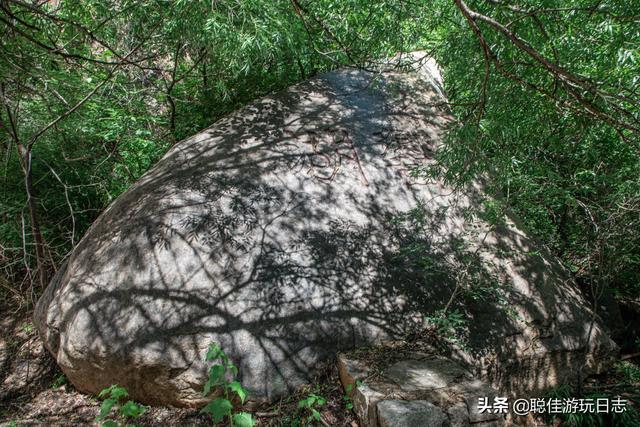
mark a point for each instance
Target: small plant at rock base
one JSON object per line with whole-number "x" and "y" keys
{"x": 630, "y": 372}
{"x": 59, "y": 380}
{"x": 449, "y": 324}
{"x": 309, "y": 404}
{"x": 348, "y": 402}
{"x": 27, "y": 327}
{"x": 126, "y": 412}
{"x": 222, "y": 407}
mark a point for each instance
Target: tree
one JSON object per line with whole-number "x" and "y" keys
{"x": 547, "y": 99}
{"x": 545, "y": 96}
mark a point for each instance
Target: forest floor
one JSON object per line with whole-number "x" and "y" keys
{"x": 34, "y": 392}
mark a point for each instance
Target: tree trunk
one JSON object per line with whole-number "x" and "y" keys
{"x": 25, "y": 162}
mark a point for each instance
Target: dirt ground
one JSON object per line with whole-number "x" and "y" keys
{"x": 34, "y": 392}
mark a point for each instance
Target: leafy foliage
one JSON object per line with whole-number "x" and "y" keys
{"x": 59, "y": 380}
{"x": 545, "y": 93}
{"x": 310, "y": 405}
{"x": 222, "y": 407}
{"x": 348, "y": 401}
{"x": 93, "y": 93}
{"x": 630, "y": 373}
{"x": 545, "y": 97}
{"x": 112, "y": 397}
{"x": 449, "y": 324}
{"x": 556, "y": 136}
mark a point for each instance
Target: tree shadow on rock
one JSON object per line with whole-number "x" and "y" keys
{"x": 281, "y": 232}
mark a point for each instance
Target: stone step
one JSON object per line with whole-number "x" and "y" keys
{"x": 420, "y": 389}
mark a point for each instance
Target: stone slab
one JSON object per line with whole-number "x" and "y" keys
{"x": 403, "y": 413}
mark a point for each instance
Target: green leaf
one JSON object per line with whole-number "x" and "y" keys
{"x": 240, "y": 391}
{"x": 312, "y": 400}
{"x": 216, "y": 372}
{"x": 233, "y": 369}
{"x": 105, "y": 408}
{"x": 119, "y": 392}
{"x": 218, "y": 409}
{"x": 243, "y": 419}
{"x": 207, "y": 387}
{"x": 315, "y": 414}
{"x": 214, "y": 351}
{"x": 109, "y": 423}
{"x": 114, "y": 391}
{"x": 318, "y": 400}
{"x": 131, "y": 409}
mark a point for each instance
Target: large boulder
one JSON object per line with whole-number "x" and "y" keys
{"x": 294, "y": 228}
